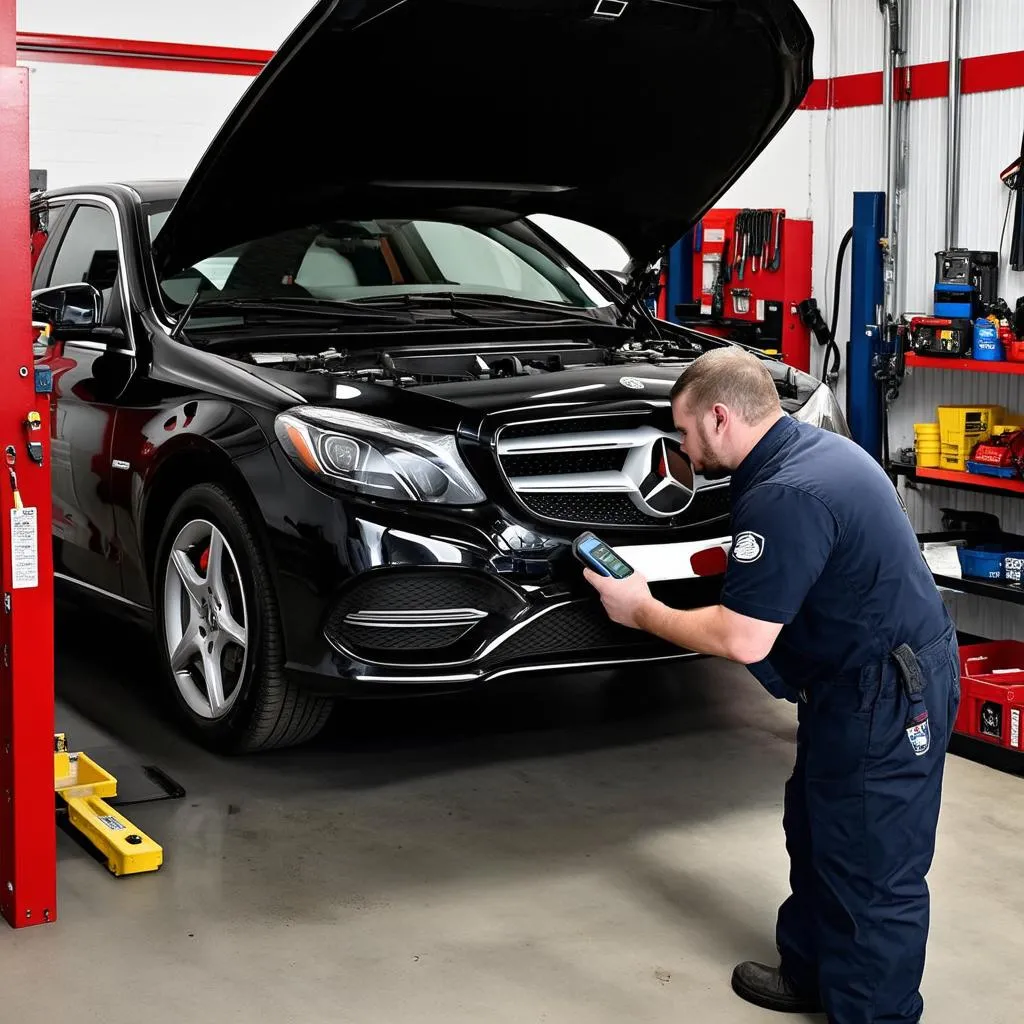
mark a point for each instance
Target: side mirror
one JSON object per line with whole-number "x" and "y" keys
{"x": 74, "y": 306}
{"x": 617, "y": 280}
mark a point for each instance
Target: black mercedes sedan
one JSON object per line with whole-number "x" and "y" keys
{"x": 330, "y": 413}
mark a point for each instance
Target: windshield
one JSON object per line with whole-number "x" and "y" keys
{"x": 364, "y": 259}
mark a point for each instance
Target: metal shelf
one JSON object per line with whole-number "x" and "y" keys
{"x": 960, "y": 481}
{"x": 1011, "y": 592}
{"x": 964, "y": 365}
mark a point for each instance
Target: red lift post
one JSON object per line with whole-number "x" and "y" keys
{"x": 28, "y": 867}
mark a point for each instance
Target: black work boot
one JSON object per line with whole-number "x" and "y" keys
{"x": 766, "y": 986}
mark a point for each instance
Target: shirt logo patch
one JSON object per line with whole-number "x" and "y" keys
{"x": 748, "y": 547}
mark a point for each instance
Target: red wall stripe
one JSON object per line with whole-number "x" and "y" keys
{"x": 990, "y": 73}
{"x": 129, "y": 60}
{"x": 134, "y": 53}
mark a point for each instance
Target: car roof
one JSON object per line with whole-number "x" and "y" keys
{"x": 148, "y": 190}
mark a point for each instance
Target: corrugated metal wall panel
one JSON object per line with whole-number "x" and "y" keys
{"x": 980, "y": 616}
{"x": 847, "y": 157}
{"x": 924, "y": 390}
{"x": 924, "y": 201}
{"x": 928, "y": 30}
{"x": 991, "y": 26}
{"x": 987, "y": 26}
{"x": 990, "y": 140}
{"x": 819, "y": 16}
{"x": 859, "y": 29}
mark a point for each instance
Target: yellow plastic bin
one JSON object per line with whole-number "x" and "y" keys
{"x": 962, "y": 427}
{"x": 968, "y": 423}
{"x": 927, "y": 445}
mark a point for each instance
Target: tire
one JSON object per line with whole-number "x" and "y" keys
{"x": 234, "y": 635}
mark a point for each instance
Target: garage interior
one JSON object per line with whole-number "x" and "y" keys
{"x": 586, "y": 845}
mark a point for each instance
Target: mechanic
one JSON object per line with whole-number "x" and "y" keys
{"x": 828, "y": 601}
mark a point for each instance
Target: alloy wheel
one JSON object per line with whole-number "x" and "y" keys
{"x": 206, "y": 625}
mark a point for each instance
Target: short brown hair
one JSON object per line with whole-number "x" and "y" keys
{"x": 732, "y": 376}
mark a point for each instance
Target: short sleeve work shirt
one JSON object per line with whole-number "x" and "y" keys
{"x": 822, "y": 545}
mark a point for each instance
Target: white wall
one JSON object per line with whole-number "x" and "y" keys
{"x": 108, "y": 124}
{"x": 822, "y": 157}
{"x": 255, "y": 24}
{"x": 92, "y": 122}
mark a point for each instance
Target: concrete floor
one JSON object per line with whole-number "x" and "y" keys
{"x": 577, "y": 851}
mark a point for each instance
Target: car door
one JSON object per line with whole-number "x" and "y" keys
{"x": 90, "y": 369}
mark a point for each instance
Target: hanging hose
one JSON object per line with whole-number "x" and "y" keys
{"x": 811, "y": 317}
{"x": 832, "y": 348}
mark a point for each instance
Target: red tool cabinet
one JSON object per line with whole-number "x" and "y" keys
{"x": 759, "y": 308}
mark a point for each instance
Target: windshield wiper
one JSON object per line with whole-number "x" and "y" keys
{"x": 314, "y": 307}
{"x": 477, "y": 299}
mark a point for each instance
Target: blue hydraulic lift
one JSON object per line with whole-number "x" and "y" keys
{"x": 868, "y": 339}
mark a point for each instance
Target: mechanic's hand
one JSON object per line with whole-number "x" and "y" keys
{"x": 623, "y": 600}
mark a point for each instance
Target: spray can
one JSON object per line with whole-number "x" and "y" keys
{"x": 987, "y": 345}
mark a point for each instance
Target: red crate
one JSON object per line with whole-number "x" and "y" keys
{"x": 992, "y": 693}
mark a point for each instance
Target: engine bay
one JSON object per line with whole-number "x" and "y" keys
{"x": 412, "y": 367}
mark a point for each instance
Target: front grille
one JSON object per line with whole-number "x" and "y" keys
{"x": 592, "y": 471}
{"x": 546, "y": 427}
{"x": 549, "y": 464}
{"x": 710, "y": 503}
{"x": 605, "y": 509}
{"x": 578, "y": 628}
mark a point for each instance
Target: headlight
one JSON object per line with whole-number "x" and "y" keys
{"x": 377, "y": 457}
{"x": 823, "y": 410}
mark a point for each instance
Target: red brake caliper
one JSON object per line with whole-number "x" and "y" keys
{"x": 204, "y": 560}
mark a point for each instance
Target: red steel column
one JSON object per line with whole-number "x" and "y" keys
{"x": 28, "y": 868}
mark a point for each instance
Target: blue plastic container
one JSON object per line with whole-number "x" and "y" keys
{"x": 983, "y": 562}
{"x": 986, "y": 469}
{"x": 955, "y": 301}
{"x": 987, "y": 345}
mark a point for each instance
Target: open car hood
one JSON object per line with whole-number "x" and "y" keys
{"x": 633, "y": 116}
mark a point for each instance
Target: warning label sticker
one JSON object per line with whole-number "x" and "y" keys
{"x": 24, "y": 548}
{"x": 112, "y": 823}
{"x": 1015, "y": 728}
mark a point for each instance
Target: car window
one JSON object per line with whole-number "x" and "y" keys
{"x": 347, "y": 259}
{"x": 473, "y": 259}
{"x": 43, "y": 219}
{"x": 592, "y": 246}
{"x": 88, "y": 251}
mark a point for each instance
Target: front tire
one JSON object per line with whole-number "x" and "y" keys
{"x": 219, "y": 632}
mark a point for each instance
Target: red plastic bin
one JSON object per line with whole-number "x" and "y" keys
{"x": 1014, "y": 348}
{"x": 992, "y": 693}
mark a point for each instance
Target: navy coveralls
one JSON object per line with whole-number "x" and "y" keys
{"x": 822, "y": 544}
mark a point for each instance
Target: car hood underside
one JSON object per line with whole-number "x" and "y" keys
{"x": 631, "y": 116}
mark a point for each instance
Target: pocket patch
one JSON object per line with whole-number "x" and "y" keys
{"x": 920, "y": 736}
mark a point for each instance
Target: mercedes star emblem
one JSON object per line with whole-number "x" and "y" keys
{"x": 664, "y": 478}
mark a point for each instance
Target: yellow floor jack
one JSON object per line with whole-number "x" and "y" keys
{"x": 85, "y": 787}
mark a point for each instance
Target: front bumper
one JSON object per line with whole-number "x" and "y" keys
{"x": 381, "y": 602}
